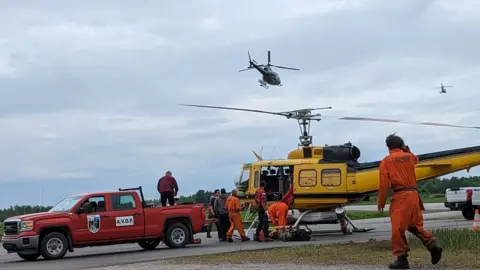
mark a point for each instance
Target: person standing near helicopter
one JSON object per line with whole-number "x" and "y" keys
{"x": 261, "y": 202}
{"x": 397, "y": 171}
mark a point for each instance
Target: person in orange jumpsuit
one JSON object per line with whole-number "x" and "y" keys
{"x": 278, "y": 213}
{"x": 397, "y": 170}
{"x": 233, "y": 207}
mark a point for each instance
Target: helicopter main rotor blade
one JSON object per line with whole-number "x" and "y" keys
{"x": 235, "y": 109}
{"x": 404, "y": 122}
{"x": 285, "y": 67}
{"x": 309, "y": 109}
{"x": 269, "y": 57}
{"x": 245, "y": 69}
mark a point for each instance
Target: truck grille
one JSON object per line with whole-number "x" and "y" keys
{"x": 10, "y": 228}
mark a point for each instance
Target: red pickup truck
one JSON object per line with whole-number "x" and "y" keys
{"x": 102, "y": 218}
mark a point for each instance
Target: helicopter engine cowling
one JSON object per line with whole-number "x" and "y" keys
{"x": 341, "y": 153}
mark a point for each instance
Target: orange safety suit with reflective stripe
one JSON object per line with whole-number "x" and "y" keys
{"x": 397, "y": 171}
{"x": 233, "y": 207}
{"x": 278, "y": 213}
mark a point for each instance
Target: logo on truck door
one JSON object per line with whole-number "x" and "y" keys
{"x": 93, "y": 223}
{"x": 124, "y": 221}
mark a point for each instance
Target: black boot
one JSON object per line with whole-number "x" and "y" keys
{"x": 435, "y": 253}
{"x": 400, "y": 263}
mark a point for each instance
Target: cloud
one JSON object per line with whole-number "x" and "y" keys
{"x": 90, "y": 92}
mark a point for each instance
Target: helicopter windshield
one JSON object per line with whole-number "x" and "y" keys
{"x": 244, "y": 178}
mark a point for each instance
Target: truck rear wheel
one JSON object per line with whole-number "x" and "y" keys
{"x": 28, "y": 257}
{"x": 468, "y": 214}
{"x": 149, "y": 244}
{"x": 54, "y": 246}
{"x": 177, "y": 235}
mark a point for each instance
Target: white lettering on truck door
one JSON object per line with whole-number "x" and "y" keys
{"x": 124, "y": 221}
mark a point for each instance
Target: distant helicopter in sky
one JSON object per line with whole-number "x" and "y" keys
{"x": 268, "y": 75}
{"x": 442, "y": 88}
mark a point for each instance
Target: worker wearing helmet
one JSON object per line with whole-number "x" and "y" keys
{"x": 397, "y": 171}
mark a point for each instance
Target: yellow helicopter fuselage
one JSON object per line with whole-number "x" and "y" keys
{"x": 327, "y": 177}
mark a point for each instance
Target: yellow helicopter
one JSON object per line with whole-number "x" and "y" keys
{"x": 325, "y": 179}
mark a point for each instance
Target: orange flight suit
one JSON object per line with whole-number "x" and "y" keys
{"x": 278, "y": 213}
{"x": 397, "y": 171}
{"x": 233, "y": 207}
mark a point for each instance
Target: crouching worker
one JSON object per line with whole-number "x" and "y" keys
{"x": 278, "y": 214}
{"x": 234, "y": 208}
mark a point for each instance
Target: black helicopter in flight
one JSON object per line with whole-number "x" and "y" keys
{"x": 268, "y": 75}
{"x": 442, "y": 88}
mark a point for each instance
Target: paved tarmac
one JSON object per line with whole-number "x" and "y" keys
{"x": 429, "y": 207}
{"x": 132, "y": 253}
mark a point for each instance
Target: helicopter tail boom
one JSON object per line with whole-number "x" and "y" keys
{"x": 430, "y": 165}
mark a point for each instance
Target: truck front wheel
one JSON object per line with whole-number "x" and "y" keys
{"x": 468, "y": 213}
{"x": 149, "y": 244}
{"x": 54, "y": 246}
{"x": 177, "y": 235}
{"x": 28, "y": 257}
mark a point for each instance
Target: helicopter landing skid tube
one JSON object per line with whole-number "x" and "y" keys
{"x": 344, "y": 222}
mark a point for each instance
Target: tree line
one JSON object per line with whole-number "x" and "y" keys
{"x": 434, "y": 186}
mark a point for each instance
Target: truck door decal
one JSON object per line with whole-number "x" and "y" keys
{"x": 93, "y": 223}
{"x": 124, "y": 221}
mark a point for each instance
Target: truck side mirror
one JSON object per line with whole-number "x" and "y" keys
{"x": 86, "y": 207}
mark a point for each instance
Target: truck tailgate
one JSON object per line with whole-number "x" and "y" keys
{"x": 456, "y": 195}
{"x": 476, "y": 197}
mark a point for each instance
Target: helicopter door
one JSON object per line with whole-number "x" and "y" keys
{"x": 320, "y": 179}
{"x": 333, "y": 178}
{"x": 256, "y": 178}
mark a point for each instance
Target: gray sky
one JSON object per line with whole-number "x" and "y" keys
{"x": 90, "y": 89}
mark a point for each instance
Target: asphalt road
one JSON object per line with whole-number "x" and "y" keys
{"x": 131, "y": 253}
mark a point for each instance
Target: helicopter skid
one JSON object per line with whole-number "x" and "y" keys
{"x": 340, "y": 216}
{"x": 263, "y": 83}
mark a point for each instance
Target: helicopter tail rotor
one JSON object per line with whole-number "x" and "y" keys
{"x": 250, "y": 61}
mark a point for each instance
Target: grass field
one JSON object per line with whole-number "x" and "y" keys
{"x": 461, "y": 249}
{"x": 354, "y": 215}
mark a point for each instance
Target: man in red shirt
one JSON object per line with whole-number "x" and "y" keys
{"x": 261, "y": 201}
{"x": 168, "y": 189}
{"x": 397, "y": 171}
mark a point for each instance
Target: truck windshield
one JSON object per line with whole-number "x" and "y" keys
{"x": 65, "y": 204}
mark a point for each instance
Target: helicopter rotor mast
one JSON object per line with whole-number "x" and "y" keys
{"x": 304, "y": 118}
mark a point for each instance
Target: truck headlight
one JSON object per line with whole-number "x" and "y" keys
{"x": 26, "y": 225}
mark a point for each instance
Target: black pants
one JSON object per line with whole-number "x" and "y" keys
{"x": 224, "y": 226}
{"x": 210, "y": 225}
{"x": 262, "y": 222}
{"x": 167, "y": 195}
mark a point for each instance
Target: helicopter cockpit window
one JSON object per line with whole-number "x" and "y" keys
{"x": 244, "y": 179}
{"x": 277, "y": 180}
